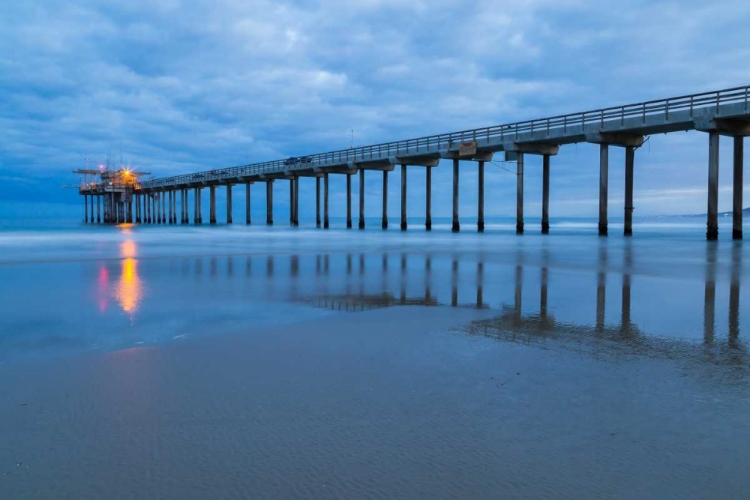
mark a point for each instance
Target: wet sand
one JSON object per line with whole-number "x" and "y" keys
{"x": 502, "y": 367}
{"x": 387, "y": 403}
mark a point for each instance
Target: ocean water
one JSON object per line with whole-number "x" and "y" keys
{"x": 236, "y": 361}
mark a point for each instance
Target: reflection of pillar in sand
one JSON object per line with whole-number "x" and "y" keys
{"x": 517, "y": 301}
{"x": 248, "y": 266}
{"x": 454, "y": 284}
{"x": 269, "y": 266}
{"x": 428, "y": 277}
{"x": 294, "y": 265}
{"x": 326, "y": 264}
{"x": 626, "y": 285}
{"x": 230, "y": 266}
{"x": 543, "y": 293}
{"x": 198, "y": 266}
{"x": 601, "y": 287}
{"x": 349, "y": 263}
{"x": 734, "y": 295}
{"x": 361, "y": 273}
{"x": 709, "y": 300}
{"x": 317, "y": 264}
{"x": 213, "y": 265}
{"x": 384, "y": 273}
{"x": 403, "y": 278}
{"x": 480, "y": 285}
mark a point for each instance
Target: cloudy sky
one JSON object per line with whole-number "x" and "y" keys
{"x": 184, "y": 86}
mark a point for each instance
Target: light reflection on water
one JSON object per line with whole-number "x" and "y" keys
{"x": 650, "y": 296}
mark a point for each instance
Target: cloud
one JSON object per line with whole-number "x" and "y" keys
{"x": 183, "y": 86}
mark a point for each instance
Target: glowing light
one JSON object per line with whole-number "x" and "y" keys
{"x": 129, "y": 290}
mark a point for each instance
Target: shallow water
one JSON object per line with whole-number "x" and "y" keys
{"x": 248, "y": 361}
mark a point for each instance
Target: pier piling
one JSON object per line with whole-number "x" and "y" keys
{"x": 403, "y": 197}
{"x": 385, "y": 200}
{"x": 519, "y": 194}
{"x": 480, "y": 198}
{"x": 455, "y": 227}
{"x": 428, "y": 199}
{"x": 737, "y": 187}
{"x": 361, "y": 198}
{"x": 629, "y": 164}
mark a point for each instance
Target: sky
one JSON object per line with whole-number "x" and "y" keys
{"x": 175, "y": 87}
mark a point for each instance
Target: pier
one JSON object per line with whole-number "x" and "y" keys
{"x": 717, "y": 113}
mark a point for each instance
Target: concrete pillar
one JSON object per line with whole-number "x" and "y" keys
{"x": 384, "y": 225}
{"x": 712, "y": 232}
{"x": 170, "y": 211}
{"x": 361, "y": 198}
{"x": 545, "y": 194}
{"x": 85, "y": 208}
{"x": 144, "y": 208}
{"x": 480, "y": 198}
{"x": 229, "y": 203}
{"x": 403, "y": 198}
{"x": 198, "y": 218}
{"x": 247, "y": 203}
{"x": 212, "y": 205}
{"x": 269, "y": 202}
{"x": 428, "y": 199}
{"x": 291, "y": 202}
{"x": 163, "y": 199}
{"x": 519, "y": 194}
{"x": 325, "y": 201}
{"x": 603, "y": 188}
{"x": 155, "y": 202}
{"x": 174, "y": 205}
{"x": 348, "y": 201}
{"x": 91, "y": 209}
{"x": 629, "y": 164}
{"x": 296, "y": 201}
{"x": 186, "y": 200}
{"x": 456, "y": 226}
{"x": 317, "y": 202}
{"x": 739, "y": 151}
{"x": 129, "y": 206}
{"x": 99, "y": 209}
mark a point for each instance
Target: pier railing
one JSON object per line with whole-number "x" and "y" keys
{"x": 444, "y": 142}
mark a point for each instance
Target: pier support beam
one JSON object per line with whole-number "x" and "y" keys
{"x": 291, "y": 202}
{"x": 269, "y": 202}
{"x": 85, "y": 208}
{"x": 247, "y": 203}
{"x": 603, "y": 188}
{"x": 712, "y": 224}
{"x": 317, "y": 202}
{"x": 129, "y": 214}
{"x": 348, "y": 201}
{"x": 186, "y": 199}
{"x": 91, "y": 209}
{"x": 174, "y": 206}
{"x": 456, "y": 227}
{"x": 99, "y": 209}
{"x": 545, "y": 194}
{"x": 296, "y": 202}
{"x": 212, "y": 205}
{"x": 480, "y": 198}
{"x": 739, "y": 150}
{"x": 325, "y": 201}
{"x": 403, "y": 197}
{"x": 229, "y": 204}
{"x": 519, "y": 194}
{"x": 361, "y": 198}
{"x": 384, "y": 225}
{"x": 198, "y": 219}
{"x": 629, "y": 164}
{"x": 428, "y": 199}
{"x": 170, "y": 201}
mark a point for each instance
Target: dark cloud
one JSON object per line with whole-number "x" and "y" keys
{"x": 182, "y": 86}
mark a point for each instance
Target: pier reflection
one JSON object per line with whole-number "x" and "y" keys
{"x": 528, "y": 300}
